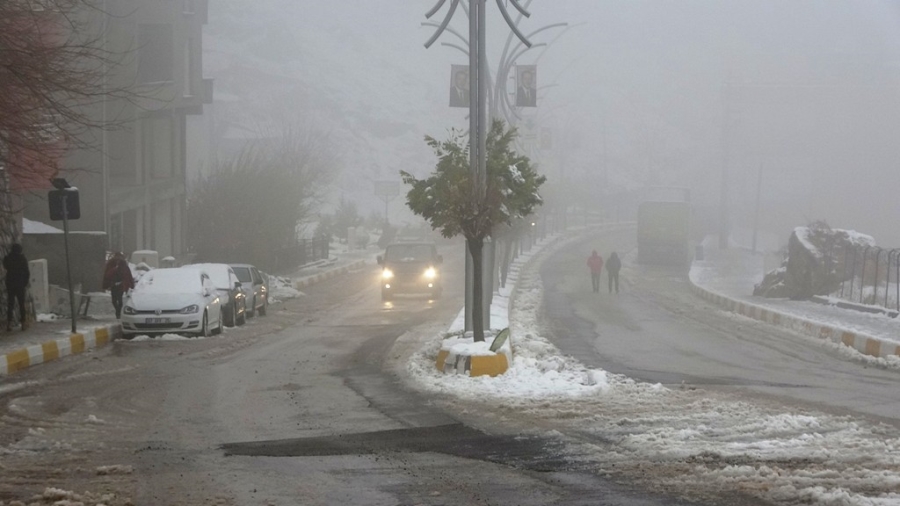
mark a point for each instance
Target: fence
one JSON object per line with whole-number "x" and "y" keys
{"x": 304, "y": 252}
{"x": 871, "y": 276}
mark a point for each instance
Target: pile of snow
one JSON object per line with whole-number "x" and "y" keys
{"x": 282, "y": 288}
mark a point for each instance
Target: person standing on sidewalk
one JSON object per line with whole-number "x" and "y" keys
{"x": 595, "y": 263}
{"x": 613, "y": 264}
{"x": 17, "y": 278}
{"x": 117, "y": 279}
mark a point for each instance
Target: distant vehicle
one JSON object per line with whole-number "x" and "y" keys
{"x": 410, "y": 268}
{"x": 255, "y": 286}
{"x": 663, "y": 228}
{"x": 173, "y": 301}
{"x": 229, "y": 287}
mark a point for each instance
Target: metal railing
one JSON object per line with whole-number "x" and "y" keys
{"x": 871, "y": 275}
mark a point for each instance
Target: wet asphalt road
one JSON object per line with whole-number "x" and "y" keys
{"x": 656, "y": 330}
{"x": 304, "y": 406}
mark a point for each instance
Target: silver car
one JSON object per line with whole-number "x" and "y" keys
{"x": 255, "y": 286}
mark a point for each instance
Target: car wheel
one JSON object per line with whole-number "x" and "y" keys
{"x": 262, "y": 309}
{"x": 242, "y": 318}
{"x": 229, "y": 316}
{"x": 252, "y": 311}
{"x": 221, "y": 326}
{"x": 204, "y": 328}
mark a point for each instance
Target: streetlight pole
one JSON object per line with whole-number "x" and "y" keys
{"x": 478, "y": 87}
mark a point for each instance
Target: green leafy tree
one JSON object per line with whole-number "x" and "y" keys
{"x": 448, "y": 200}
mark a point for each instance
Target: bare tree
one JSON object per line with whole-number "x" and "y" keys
{"x": 53, "y": 68}
{"x": 248, "y": 208}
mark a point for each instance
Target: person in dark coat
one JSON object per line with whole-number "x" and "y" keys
{"x": 595, "y": 264}
{"x": 18, "y": 276}
{"x": 117, "y": 278}
{"x": 613, "y": 264}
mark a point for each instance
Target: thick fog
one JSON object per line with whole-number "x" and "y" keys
{"x": 800, "y": 96}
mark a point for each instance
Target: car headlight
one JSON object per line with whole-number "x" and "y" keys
{"x": 128, "y": 310}
{"x": 431, "y": 273}
{"x": 193, "y": 308}
{"x": 387, "y": 274}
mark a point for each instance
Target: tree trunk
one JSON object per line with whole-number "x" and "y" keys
{"x": 476, "y": 247}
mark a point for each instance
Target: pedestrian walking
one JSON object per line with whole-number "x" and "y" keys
{"x": 117, "y": 278}
{"x": 595, "y": 263}
{"x": 18, "y": 276}
{"x": 613, "y": 264}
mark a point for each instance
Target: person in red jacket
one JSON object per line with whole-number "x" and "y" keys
{"x": 595, "y": 263}
{"x": 117, "y": 278}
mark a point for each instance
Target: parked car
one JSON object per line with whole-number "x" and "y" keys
{"x": 229, "y": 286}
{"x": 255, "y": 286}
{"x": 173, "y": 301}
{"x": 410, "y": 267}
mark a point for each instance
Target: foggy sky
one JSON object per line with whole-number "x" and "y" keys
{"x": 642, "y": 93}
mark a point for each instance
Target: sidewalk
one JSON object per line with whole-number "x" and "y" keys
{"x": 727, "y": 279}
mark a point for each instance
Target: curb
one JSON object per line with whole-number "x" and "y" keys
{"x": 863, "y": 343}
{"x": 309, "y": 280}
{"x": 473, "y": 365}
{"x": 23, "y": 358}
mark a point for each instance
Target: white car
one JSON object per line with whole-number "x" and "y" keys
{"x": 177, "y": 301}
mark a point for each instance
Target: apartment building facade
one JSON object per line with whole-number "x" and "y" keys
{"x": 132, "y": 186}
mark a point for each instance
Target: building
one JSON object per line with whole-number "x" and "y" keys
{"x": 132, "y": 186}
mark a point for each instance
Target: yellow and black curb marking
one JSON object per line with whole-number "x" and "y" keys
{"x": 17, "y": 360}
{"x": 322, "y": 276}
{"x": 490, "y": 365}
{"x": 865, "y": 344}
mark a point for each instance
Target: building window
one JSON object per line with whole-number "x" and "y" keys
{"x": 156, "y": 53}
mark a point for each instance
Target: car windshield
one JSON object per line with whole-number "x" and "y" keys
{"x": 243, "y": 274}
{"x": 218, "y": 274}
{"x": 408, "y": 253}
{"x": 169, "y": 281}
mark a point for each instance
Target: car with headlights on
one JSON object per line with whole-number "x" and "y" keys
{"x": 255, "y": 286}
{"x": 230, "y": 289}
{"x": 410, "y": 268}
{"x": 173, "y": 301}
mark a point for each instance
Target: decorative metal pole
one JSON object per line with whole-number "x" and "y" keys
{"x": 478, "y": 94}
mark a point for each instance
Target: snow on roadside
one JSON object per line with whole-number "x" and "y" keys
{"x": 686, "y": 439}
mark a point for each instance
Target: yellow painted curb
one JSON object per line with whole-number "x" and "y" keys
{"x": 442, "y": 356}
{"x": 489, "y": 366}
{"x": 23, "y": 358}
{"x": 480, "y": 365}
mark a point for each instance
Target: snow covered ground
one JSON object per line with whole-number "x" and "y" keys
{"x": 684, "y": 438}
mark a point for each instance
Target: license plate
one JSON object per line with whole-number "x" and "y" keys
{"x": 158, "y": 320}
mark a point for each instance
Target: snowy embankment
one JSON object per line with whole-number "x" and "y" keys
{"x": 681, "y": 440}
